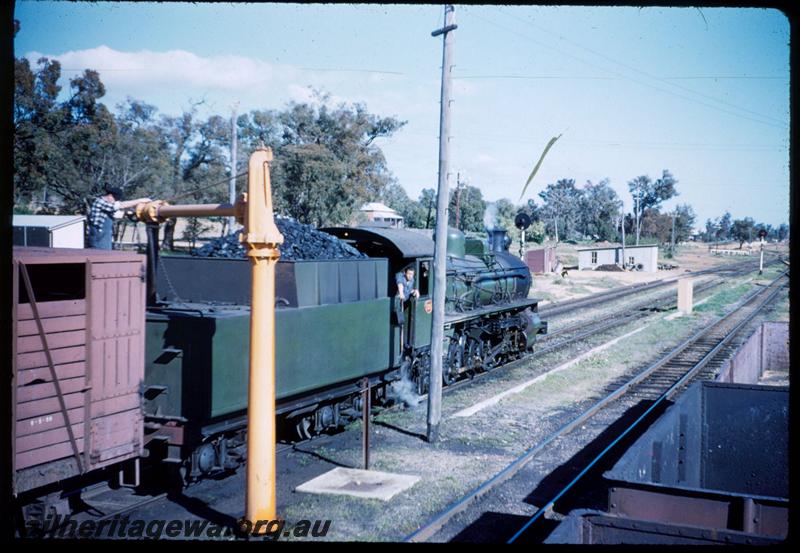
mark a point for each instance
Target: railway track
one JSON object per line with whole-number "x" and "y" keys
{"x": 695, "y": 358}
{"x": 565, "y": 336}
{"x": 600, "y": 298}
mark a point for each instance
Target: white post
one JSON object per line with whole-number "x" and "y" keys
{"x": 685, "y": 289}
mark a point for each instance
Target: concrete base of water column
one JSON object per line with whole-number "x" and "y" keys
{"x": 359, "y": 483}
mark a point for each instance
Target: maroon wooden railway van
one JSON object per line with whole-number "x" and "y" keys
{"x": 83, "y": 325}
{"x": 542, "y": 260}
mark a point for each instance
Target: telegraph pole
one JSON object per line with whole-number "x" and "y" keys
{"x": 672, "y": 238}
{"x": 638, "y": 215}
{"x": 440, "y": 251}
{"x": 458, "y": 200}
{"x": 623, "y": 239}
{"x": 232, "y": 182}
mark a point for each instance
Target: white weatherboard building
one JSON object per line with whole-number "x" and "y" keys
{"x": 641, "y": 258}
{"x": 49, "y": 231}
{"x": 379, "y": 213}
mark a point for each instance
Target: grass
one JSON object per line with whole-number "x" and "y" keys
{"x": 588, "y": 377}
{"x": 604, "y": 282}
{"x": 544, "y": 296}
{"x": 578, "y": 290}
{"x": 723, "y": 299}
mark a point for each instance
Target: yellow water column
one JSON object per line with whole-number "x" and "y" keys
{"x": 262, "y": 238}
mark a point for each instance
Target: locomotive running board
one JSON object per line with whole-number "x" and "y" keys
{"x": 489, "y": 310}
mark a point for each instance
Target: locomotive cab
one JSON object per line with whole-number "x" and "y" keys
{"x": 489, "y": 318}
{"x": 419, "y": 311}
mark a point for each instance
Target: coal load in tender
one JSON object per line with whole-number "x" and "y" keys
{"x": 299, "y": 242}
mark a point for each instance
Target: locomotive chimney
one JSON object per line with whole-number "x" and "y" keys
{"x": 498, "y": 239}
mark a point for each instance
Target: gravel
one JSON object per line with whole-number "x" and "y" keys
{"x": 299, "y": 242}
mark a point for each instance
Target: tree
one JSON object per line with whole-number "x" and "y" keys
{"x": 648, "y": 194}
{"x": 472, "y": 208}
{"x": 427, "y": 202}
{"x": 38, "y": 126}
{"x": 80, "y": 169}
{"x": 66, "y": 152}
{"x": 724, "y": 227}
{"x": 656, "y": 225}
{"x": 561, "y": 204}
{"x": 743, "y": 230}
{"x": 710, "y": 232}
{"x": 309, "y": 133}
{"x": 684, "y": 222}
{"x": 396, "y": 197}
{"x": 533, "y": 210}
{"x": 598, "y": 210}
{"x": 141, "y": 164}
{"x": 197, "y": 158}
{"x": 327, "y": 163}
{"x": 313, "y": 186}
{"x": 782, "y": 232}
{"x": 505, "y": 212}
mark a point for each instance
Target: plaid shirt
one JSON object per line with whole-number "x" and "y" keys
{"x": 101, "y": 209}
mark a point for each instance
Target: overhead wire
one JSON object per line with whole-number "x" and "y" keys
{"x": 626, "y": 77}
{"x": 212, "y": 185}
{"x": 637, "y": 70}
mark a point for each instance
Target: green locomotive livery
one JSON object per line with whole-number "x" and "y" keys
{"x": 337, "y": 321}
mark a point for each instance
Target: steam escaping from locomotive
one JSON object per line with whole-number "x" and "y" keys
{"x": 405, "y": 389}
{"x": 490, "y": 219}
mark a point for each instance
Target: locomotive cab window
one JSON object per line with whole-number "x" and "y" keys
{"x": 424, "y": 278}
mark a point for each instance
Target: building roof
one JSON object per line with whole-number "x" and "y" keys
{"x": 380, "y": 209}
{"x": 609, "y": 246}
{"x": 41, "y": 255}
{"x": 52, "y": 222}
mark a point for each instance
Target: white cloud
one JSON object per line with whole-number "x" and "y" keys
{"x": 300, "y": 93}
{"x": 175, "y": 68}
{"x": 171, "y": 79}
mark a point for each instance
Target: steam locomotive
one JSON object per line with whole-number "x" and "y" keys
{"x": 337, "y": 321}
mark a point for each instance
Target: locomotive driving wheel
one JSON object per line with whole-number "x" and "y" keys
{"x": 488, "y": 362}
{"x": 474, "y": 354}
{"x": 419, "y": 372}
{"x": 454, "y": 360}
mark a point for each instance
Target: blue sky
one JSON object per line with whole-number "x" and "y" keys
{"x": 703, "y": 93}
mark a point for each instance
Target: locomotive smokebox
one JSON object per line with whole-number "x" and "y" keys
{"x": 499, "y": 240}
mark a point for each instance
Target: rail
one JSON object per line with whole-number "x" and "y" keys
{"x": 675, "y": 359}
